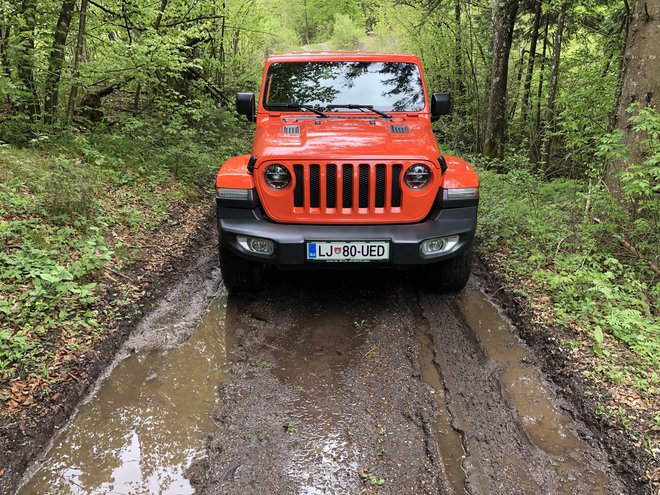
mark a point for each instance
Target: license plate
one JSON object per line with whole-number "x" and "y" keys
{"x": 348, "y": 251}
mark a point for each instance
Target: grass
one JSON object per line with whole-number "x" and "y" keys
{"x": 71, "y": 207}
{"x": 368, "y": 476}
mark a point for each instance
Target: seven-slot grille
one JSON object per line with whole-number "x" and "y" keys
{"x": 365, "y": 186}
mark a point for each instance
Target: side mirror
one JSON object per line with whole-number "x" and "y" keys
{"x": 440, "y": 105}
{"x": 245, "y": 106}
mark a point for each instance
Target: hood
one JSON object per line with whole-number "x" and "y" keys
{"x": 350, "y": 137}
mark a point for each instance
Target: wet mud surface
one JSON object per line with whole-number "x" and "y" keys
{"x": 25, "y": 437}
{"x": 362, "y": 382}
{"x": 351, "y": 382}
{"x": 145, "y": 424}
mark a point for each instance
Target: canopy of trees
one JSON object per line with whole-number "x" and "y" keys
{"x": 543, "y": 78}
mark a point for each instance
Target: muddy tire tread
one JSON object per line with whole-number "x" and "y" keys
{"x": 239, "y": 274}
{"x": 450, "y": 275}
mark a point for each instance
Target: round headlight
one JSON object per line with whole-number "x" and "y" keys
{"x": 417, "y": 176}
{"x": 277, "y": 176}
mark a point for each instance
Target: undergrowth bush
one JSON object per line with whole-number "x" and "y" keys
{"x": 69, "y": 201}
{"x": 591, "y": 253}
{"x": 346, "y": 34}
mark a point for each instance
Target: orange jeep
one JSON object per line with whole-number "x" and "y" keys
{"x": 345, "y": 169}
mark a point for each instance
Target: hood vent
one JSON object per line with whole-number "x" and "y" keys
{"x": 291, "y": 129}
{"x": 399, "y": 129}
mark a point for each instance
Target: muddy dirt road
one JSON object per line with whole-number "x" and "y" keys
{"x": 347, "y": 382}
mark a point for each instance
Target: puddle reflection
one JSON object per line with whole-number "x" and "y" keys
{"x": 325, "y": 345}
{"x": 147, "y": 422}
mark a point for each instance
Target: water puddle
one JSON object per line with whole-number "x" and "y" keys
{"x": 448, "y": 439}
{"x": 323, "y": 346}
{"x": 546, "y": 426}
{"x": 147, "y": 422}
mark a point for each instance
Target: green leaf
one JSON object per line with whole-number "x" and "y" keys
{"x": 598, "y": 335}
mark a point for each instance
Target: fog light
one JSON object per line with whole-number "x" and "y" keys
{"x": 433, "y": 246}
{"x": 233, "y": 194}
{"x": 256, "y": 245}
{"x": 462, "y": 193}
{"x": 438, "y": 245}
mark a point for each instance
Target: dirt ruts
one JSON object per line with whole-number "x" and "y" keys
{"x": 329, "y": 382}
{"x": 330, "y": 394}
{"x": 326, "y": 395}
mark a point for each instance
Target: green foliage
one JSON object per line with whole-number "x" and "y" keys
{"x": 15, "y": 348}
{"x": 323, "y": 16}
{"x": 346, "y": 34}
{"x": 47, "y": 280}
{"x": 544, "y": 232}
{"x": 368, "y": 476}
{"x": 69, "y": 203}
{"x": 641, "y": 181}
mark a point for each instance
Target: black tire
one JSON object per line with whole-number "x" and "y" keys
{"x": 451, "y": 275}
{"x": 239, "y": 274}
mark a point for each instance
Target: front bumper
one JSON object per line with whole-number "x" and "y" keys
{"x": 290, "y": 239}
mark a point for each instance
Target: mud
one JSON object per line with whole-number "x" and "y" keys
{"x": 24, "y": 438}
{"x": 350, "y": 382}
{"x": 343, "y": 383}
{"x": 319, "y": 401}
{"x": 449, "y": 440}
{"x": 539, "y": 448}
{"x": 630, "y": 461}
{"x": 145, "y": 424}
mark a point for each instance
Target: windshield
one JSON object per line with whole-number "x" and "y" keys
{"x": 387, "y": 86}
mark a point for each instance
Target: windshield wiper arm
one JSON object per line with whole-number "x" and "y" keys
{"x": 352, "y": 106}
{"x": 299, "y": 106}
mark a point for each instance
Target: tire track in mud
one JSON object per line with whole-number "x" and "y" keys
{"x": 360, "y": 383}
{"x": 327, "y": 395}
{"x": 338, "y": 382}
{"x": 517, "y": 436}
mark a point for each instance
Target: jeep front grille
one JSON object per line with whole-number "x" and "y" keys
{"x": 386, "y": 193}
{"x": 345, "y": 192}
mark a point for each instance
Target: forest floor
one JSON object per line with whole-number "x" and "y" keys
{"x": 354, "y": 382}
{"x": 344, "y": 382}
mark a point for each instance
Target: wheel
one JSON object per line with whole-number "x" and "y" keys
{"x": 450, "y": 275}
{"x": 239, "y": 274}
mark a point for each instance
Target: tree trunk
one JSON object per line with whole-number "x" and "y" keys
{"x": 4, "y": 42}
{"x": 554, "y": 80}
{"x": 237, "y": 37}
{"x": 514, "y": 103}
{"x": 136, "y": 98}
{"x": 77, "y": 56}
{"x": 25, "y": 64}
{"x": 56, "y": 61}
{"x": 159, "y": 17}
{"x": 474, "y": 92}
{"x": 221, "y": 80}
{"x": 527, "y": 88}
{"x": 458, "y": 50}
{"x": 137, "y": 95}
{"x": 535, "y": 141}
{"x": 306, "y": 23}
{"x": 504, "y": 16}
{"x": 640, "y": 80}
{"x": 90, "y": 104}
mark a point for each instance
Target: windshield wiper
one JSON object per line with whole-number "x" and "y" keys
{"x": 299, "y": 106}
{"x": 354, "y": 106}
